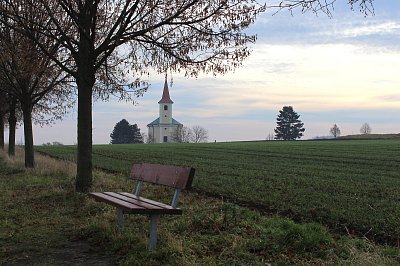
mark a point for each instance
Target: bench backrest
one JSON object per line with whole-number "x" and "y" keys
{"x": 168, "y": 175}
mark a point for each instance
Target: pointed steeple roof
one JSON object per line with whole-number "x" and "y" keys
{"x": 165, "y": 96}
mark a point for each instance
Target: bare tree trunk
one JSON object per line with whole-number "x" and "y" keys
{"x": 84, "y": 156}
{"x": 12, "y": 125}
{"x": 28, "y": 135}
{"x": 1, "y": 131}
{"x": 85, "y": 81}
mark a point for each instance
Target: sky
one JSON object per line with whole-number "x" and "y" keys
{"x": 342, "y": 69}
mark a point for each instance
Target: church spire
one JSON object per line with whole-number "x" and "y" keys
{"x": 165, "y": 96}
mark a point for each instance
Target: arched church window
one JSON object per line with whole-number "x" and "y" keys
{"x": 165, "y": 107}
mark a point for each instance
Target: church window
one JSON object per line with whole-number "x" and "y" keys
{"x": 165, "y": 107}
{"x": 165, "y": 128}
{"x": 165, "y": 138}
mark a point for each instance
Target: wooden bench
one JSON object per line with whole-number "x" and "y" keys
{"x": 128, "y": 203}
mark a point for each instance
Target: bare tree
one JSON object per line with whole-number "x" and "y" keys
{"x": 32, "y": 79}
{"x": 9, "y": 115}
{"x": 326, "y": 6}
{"x": 270, "y": 136}
{"x": 199, "y": 134}
{"x": 101, "y": 40}
{"x": 150, "y": 139}
{"x": 2, "y": 126}
{"x": 365, "y": 129}
{"x": 3, "y": 113}
{"x": 335, "y": 131}
{"x": 144, "y": 137}
{"x": 12, "y": 126}
{"x": 182, "y": 134}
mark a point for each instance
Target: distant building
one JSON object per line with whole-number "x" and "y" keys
{"x": 163, "y": 129}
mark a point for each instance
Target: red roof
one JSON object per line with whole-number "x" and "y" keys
{"x": 165, "y": 96}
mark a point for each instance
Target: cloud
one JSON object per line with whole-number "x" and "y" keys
{"x": 395, "y": 98}
{"x": 321, "y": 76}
{"x": 345, "y": 27}
{"x": 391, "y": 27}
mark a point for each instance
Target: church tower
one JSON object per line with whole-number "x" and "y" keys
{"x": 163, "y": 129}
{"x": 166, "y": 105}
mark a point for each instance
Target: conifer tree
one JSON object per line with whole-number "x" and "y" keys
{"x": 124, "y": 133}
{"x": 289, "y": 127}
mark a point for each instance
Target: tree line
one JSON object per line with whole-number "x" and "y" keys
{"x": 290, "y": 127}
{"x": 56, "y": 53}
{"x": 125, "y": 133}
{"x": 364, "y": 129}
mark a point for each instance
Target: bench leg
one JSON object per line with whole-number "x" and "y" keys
{"x": 120, "y": 218}
{"x": 153, "y": 231}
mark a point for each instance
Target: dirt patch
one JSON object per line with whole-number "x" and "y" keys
{"x": 73, "y": 252}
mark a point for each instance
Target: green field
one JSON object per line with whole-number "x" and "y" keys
{"x": 350, "y": 186}
{"x": 372, "y": 136}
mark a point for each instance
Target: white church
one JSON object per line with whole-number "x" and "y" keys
{"x": 165, "y": 126}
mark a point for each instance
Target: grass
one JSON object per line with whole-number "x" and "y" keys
{"x": 349, "y": 186}
{"x": 371, "y": 137}
{"x": 44, "y": 222}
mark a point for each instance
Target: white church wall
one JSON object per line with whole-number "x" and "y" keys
{"x": 157, "y": 132}
{"x": 166, "y": 115}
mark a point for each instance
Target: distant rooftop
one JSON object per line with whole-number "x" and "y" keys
{"x": 157, "y": 122}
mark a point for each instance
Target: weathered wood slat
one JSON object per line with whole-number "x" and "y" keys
{"x": 132, "y": 205}
{"x": 149, "y": 201}
{"x": 140, "y": 201}
{"x": 99, "y": 196}
{"x": 167, "y": 175}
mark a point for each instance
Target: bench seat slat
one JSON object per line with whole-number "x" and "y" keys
{"x": 99, "y": 196}
{"x": 152, "y": 202}
{"x": 131, "y": 204}
{"x": 136, "y": 201}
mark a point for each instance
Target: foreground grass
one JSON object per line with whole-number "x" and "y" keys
{"x": 44, "y": 222}
{"x": 350, "y": 186}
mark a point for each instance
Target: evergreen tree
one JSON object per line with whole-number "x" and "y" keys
{"x": 124, "y": 133}
{"x": 137, "y": 136}
{"x": 289, "y": 127}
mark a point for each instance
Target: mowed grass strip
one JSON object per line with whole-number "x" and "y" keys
{"x": 351, "y": 186}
